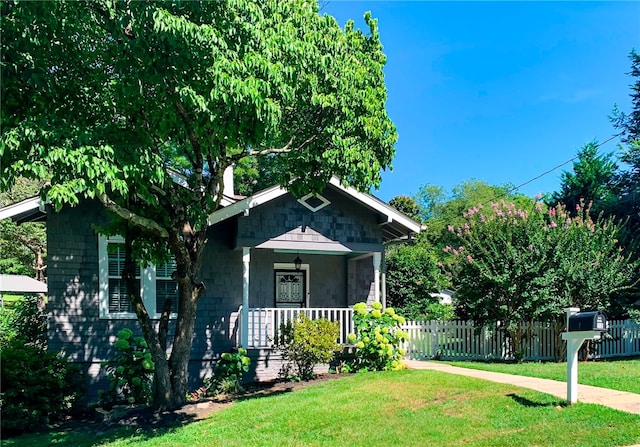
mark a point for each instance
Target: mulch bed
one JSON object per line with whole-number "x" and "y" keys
{"x": 145, "y": 418}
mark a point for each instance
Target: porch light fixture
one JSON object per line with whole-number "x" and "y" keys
{"x": 297, "y": 262}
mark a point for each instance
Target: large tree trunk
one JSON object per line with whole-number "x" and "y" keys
{"x": 183, "y": 340}
{"x": 186, "y": 247}
{"x": 163, "y": 398}
{"x": 171, "y": 375}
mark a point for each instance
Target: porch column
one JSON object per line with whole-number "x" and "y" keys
{"x": 377, "y": 258}
{"x": 383, "y": 291}
{"x": 246, "y": 258}
{"x": 383, "y": 285}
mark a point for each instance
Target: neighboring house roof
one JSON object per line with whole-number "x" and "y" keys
{"x": 28, "y": 210}
{"x": 394, "y": 223}
{"x": 444, "y": 296}
{"x": 21, "y": 284}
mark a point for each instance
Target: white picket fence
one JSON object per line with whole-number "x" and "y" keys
{"x": 460, "y": 340}
{"x": 449, "y": 340}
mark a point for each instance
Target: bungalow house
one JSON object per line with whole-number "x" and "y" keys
{"x": 268, "y": 257}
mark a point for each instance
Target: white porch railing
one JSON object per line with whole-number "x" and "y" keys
{"x": 264, "y": 322}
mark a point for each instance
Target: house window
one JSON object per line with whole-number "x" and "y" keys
{"x": 118, "y": 301}
{"x": 166, "y": 287}
{"x": 155, "y": 283}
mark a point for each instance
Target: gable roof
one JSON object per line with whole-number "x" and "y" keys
{"x": 21, "y": 284}
{"x": 33, "y": 209}
{"x": 28, "y": 210}
{"x": 395, "y": 225}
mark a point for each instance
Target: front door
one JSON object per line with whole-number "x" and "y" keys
{"x": 291, "y": 288}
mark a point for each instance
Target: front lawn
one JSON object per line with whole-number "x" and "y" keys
{"x": 621, "y": 375}
{"x": 406, "y": 408}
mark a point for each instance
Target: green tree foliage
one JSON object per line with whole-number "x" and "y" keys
{"x": 406, "y": 205}
{"x": 440, "y": 208}
{"x": 513, "y": 265}
{"x": 412, "y": 275}
{"x": 412, "y": 271}
{"x": 108, "y": 95}
{"x": 628, "y": 205}
{"x": 593, "y": 180}
{"x": 629, "y": 123}
{"x": 253, "y": 174}
{"x": 26, "y": 323}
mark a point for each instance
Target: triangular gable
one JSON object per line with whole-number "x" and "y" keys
{"x": 305, "y": 239}
{"x": 397, "y": 223}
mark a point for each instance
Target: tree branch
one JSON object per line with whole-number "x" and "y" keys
{"x": 195, "y": 144}
{"x": 143, "y": 222}
{"x": 286, "y": 148}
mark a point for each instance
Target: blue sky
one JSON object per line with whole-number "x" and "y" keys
{"x": 498, "y": 91}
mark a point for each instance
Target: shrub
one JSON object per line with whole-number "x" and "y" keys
{"x": 38, "y": 387}
{"x": 227, "y": 374}
{"x": 27, "y": 322}
{"x": 378, "y": 338}
{"x": 130, "y": 373}
{"x": 307, "y": 343}
{"x": 413, "y": 275}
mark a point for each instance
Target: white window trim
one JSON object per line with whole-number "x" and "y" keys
{"x": 303, "y": 268}
{"x": 147, "y": 284}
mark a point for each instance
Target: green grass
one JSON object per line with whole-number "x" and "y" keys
{"x": 406, "y": 408}
{"x": 621, "y": 375}
{"x": 11, "y": 300}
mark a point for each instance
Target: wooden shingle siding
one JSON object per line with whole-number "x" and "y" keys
{"x": 343, "y": 220}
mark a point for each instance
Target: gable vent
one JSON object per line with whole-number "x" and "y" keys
{"x": 314, "y": 202}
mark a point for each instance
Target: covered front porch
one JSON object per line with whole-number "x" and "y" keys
{"x": 317, "y": 284}
{"x": 318, "y": 255}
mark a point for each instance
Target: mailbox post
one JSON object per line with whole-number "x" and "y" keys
{"x": 580, "y": 327}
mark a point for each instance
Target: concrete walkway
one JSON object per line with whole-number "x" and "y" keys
{"x": 619, "y": 400}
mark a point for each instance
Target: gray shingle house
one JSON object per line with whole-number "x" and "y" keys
{"x": 268, "y": 257}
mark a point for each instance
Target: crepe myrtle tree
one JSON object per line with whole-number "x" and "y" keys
{"x": 513, "y": 265}
{"x": 108, "y": 97}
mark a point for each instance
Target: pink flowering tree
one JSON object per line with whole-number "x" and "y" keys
{"x": 514, "y": 265}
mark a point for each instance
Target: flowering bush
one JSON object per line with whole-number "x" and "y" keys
{"x": 378, "y": 338}
{"x": 130, "y": 373}
{"x": 512, "y": 264}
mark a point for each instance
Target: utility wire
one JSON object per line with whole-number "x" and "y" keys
{"x": 515, "y": 188}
